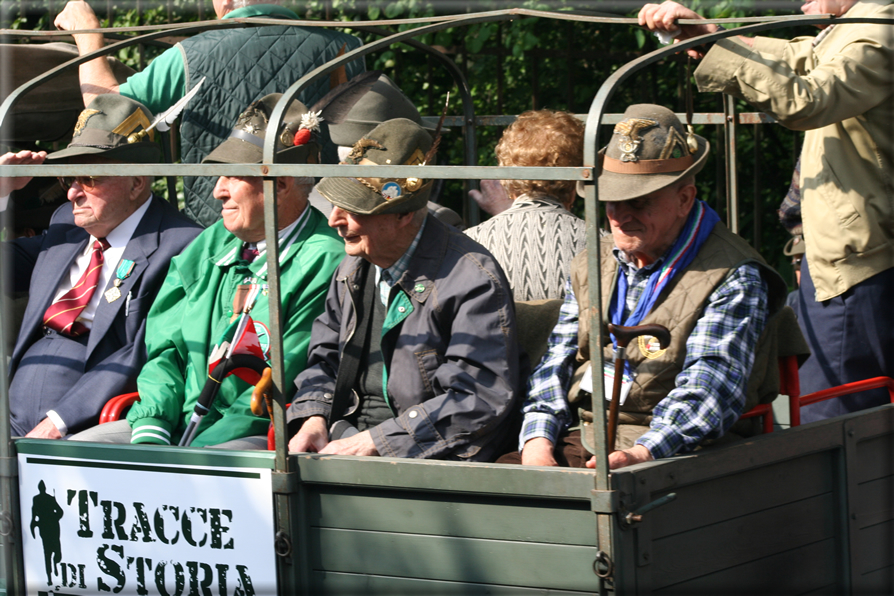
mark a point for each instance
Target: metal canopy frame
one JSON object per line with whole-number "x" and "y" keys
{"x": 604, "y": 497}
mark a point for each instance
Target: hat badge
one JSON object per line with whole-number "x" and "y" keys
{"x": 630, "y": 140}
{"x": 309, "y": 124}
{"x": 82, "y": 120}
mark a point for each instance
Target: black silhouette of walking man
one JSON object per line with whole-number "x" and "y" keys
{"x": 45, "y": 514}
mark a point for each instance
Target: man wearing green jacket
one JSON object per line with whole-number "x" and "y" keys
{"x": 223, "y": 272}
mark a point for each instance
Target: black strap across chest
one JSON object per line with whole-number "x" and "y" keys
{"x": 349, "y": 365}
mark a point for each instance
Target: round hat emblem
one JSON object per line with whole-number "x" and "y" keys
{"x": 391, "y": 190}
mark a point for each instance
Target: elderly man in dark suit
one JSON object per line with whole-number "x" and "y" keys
{"x": 92, "y": 276}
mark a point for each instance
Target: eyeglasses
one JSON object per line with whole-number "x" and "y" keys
{"x": 83, "y": 181}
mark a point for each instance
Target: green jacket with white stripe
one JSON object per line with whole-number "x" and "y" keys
{"x": 195, "y": 306}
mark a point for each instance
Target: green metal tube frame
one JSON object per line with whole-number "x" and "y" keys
{"x": 269, "y": 170}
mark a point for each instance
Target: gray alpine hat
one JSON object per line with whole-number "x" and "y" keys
{"x": 384, "y": 101}
{"x": 298, "y": 140}
{"x": 649, "y": 150}
{"x": 113, "y": 127}
{"x": 396, "y": 142}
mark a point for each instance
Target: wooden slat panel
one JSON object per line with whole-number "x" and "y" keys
{"x": 452, "y": 514}
{"x": 874, "y": 458}
{"x": 741, "y": 494}
{"x": 796, "y": 571}
{"x": 752, "y": 537}
{"x": 880, "y": 581}
{"x": 339, "y": 584}
{"x": 874, "y": 502}
{"x": 765, "y": 450}
{"x": 874, "y": 549}
{"x": 552, "y": 566}
{"x": 436, "y": 476}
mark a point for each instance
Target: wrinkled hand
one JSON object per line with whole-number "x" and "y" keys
{"x": 619, "y": 459}
{"x": 312, "y": 437}
{"x": 492, "y": 198}
{"x": 44, "y": 430}
{"x": 76, "y": 15}
{"x": 7, "y": 185}
{"x": 359, "y": 444}
{"x": 538, "y": 452}
{"x": 662, "y": 17}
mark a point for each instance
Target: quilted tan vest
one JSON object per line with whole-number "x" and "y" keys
{"x": 678, "y": 309}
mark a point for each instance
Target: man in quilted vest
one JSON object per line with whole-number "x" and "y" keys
{"x": 240, "y": 67}
{"x": 668, "y": 261}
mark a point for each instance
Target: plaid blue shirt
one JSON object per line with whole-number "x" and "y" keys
{"x": 710, "y": 390}
{"x": 386, "y": 278}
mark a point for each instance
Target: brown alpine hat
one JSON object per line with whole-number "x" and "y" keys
{"x": 110, "y": 128}
{"x": 298, "y": 140}
{"x": 649, "y": 150}
{"x": 396, "y": 142}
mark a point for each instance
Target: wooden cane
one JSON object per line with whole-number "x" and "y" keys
{"x": 623, "y": 335}
{"x": 261, "y": 395}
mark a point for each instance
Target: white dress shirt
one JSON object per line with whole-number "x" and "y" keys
{"x": 117, "y": 239}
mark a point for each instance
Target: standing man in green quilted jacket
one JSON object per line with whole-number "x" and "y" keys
{"x": 240, "y": 66}
{"x": 223, "y": 272}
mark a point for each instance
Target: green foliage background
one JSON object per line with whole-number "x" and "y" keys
{"x": 522, "y": 64}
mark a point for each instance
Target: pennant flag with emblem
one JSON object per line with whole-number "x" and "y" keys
{"x": 239, "y": 338}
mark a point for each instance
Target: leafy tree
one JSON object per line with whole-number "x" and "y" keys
{"x": 521, "y": 64}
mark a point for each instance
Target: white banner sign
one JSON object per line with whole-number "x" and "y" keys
{"x": 105, "y": 527}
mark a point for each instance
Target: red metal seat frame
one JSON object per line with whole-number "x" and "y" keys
{"x": 116, "y": 406}
{"x": 790, "y": 385}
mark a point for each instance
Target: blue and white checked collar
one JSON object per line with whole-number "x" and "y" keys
{"x": 386, "y": 278}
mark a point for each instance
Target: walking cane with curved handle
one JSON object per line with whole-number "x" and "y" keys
{"x": 623, "y": 335}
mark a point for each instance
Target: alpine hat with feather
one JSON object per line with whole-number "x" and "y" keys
{"x": 110, "y": 127}
{"x": 396, "y": 142}
{"x": 649, "y": 150}
{"x": 297, "y": 140}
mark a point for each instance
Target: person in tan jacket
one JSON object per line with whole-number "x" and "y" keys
{"x": 837, "y": 87}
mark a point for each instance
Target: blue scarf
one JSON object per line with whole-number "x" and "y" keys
{"x": 699, "y": 224}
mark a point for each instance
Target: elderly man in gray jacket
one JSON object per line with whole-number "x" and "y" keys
{"x": 415, "y": 354}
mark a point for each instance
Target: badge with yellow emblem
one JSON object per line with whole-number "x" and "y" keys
{"x": 650, "y": 347}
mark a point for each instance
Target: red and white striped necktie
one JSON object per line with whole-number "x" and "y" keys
{"x": 62, "y": 314}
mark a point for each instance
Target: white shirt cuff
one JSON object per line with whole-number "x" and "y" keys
{"x": 60, "y": 424}
{"x": 4, "y": 201}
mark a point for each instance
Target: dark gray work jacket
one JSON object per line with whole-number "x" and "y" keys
{"x": 449, "y": 344}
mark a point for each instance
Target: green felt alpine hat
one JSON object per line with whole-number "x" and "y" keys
{"x": 297, "y": 141}
{"x": 113, "y": 127}
{"x": 649, "y": 150}
{"x": 384, "y": 101}
{"x": 395, "y": 142}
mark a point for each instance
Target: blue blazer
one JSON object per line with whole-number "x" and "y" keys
{"x": 115, "y": 349}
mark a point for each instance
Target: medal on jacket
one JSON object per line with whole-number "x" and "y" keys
{"x": 124, "y": 271}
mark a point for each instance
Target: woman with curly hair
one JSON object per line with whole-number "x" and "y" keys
{"x": 535, "y": 239}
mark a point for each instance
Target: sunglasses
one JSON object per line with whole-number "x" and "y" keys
{"x": 83, "y": 181}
